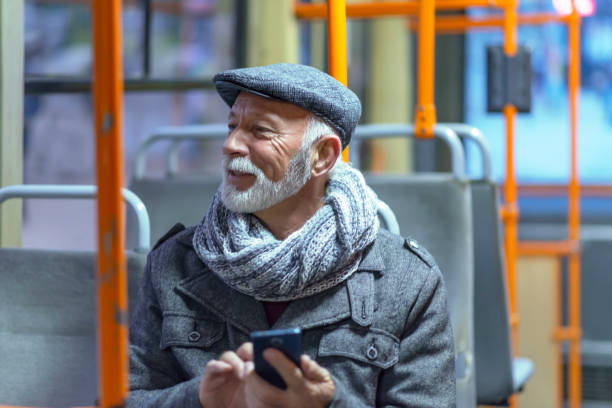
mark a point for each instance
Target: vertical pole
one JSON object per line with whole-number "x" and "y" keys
{"x": 318, "y": 45}
{"x": 575, "y": 374}
{"x": 146, "y": 40}
{"x": 240, "y": 37}
{"x": 111, "y": 274}
{"x": 336, "y": 38}
{"x": 11, "y": 115}
{"x": 425, "y": 115}
{"x": 272, "y": 32}
{"x": 511, "y": 219}
{"x": 318, "y": 42}
{"x": 510, "y": 47}
{"x": 558, "y": 323}
{"x": 390, "y": 82}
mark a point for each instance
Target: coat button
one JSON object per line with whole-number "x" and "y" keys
{"x": 194, "y": 336}
{"x": 372, "y": 352}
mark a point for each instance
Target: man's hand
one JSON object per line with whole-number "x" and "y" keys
{"x": 312, "y": 386}
{"x": 223, "y": 383}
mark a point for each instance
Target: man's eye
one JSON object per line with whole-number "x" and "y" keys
{"x": 263, "y": 132}
{"x": 230, "y": 127}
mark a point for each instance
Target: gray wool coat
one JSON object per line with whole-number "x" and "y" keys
{"x": 384, "y": 334}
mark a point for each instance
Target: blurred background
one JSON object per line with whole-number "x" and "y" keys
{"x": 172, "y": 48}
{"x": 193, "y": 39}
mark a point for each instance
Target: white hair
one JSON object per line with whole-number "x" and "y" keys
{"x": 316, "y": 128}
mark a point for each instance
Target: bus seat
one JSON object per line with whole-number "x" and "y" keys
{"x": 140, "y": 217}
{"x": 498, "y": 375}
{"x": 47, "y": 325}
{"x": 435, "y": 210}
{"x": 171, "y": 200}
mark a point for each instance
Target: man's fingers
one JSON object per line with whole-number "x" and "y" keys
{"x": 245, "y": 352}
{"x": 313, "y": 371}
{"x": 215, "y": 374}
{"x": 217, "y": 367}
{"x": 291, "y": 374}
{"x": 231, "y": 358}
{"x": 308, "y": 368}
{"x": 248, "y": 368}
{"x": 256, "y": 388}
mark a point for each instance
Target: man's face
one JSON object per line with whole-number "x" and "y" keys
{"x": 263, "y": 159}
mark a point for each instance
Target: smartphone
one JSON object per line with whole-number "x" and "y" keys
{"x": 289, "y": 341}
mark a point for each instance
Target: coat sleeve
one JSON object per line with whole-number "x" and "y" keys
{"x": 156, "y": 379}
{"x": 425, "y": 373}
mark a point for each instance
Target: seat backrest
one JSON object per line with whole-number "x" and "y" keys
{"x": 435, "y": 209}
{"x": 47, "y": 325}
{"x": 493, "y": 353}
{"x": 169, "y": 201}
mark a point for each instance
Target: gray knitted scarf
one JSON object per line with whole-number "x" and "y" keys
{"x": 243, "y": 253}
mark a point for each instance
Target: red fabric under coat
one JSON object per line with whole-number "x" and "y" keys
{"x": 274, "y": 310}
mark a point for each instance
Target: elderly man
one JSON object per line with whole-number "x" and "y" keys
{"x": 291, "y": 239}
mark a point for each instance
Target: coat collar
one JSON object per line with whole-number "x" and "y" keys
{"x": 354, "y": 299}
{"x": 372, "y": 259}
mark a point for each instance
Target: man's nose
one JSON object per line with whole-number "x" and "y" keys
{"x": 235, "y": 144}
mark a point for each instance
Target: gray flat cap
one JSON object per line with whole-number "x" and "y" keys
{"x": 301, "y": 85}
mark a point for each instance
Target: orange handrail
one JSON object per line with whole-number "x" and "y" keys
{"x": 511, "y": 216}
{"x": 510, "y": 47}
{"x": 425, "y": 110}
{"x": 550, "y": 248}
{"x": 461, "y": 24}
{"x": 558, "y": 190}
{"x": 336, "y": 39}
{"x": 336, "y": 31}
{"x": 575, "y": 375}
{"x": 111, "y": 275}
{"x": 375, "y": 9}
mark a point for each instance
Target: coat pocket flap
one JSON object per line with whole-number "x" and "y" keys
{"x": 189, "y": 331}
{"x": 373, "y": 346}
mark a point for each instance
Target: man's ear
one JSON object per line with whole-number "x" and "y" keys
{"x": 325, "y": 153}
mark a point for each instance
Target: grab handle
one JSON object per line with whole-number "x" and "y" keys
{"x": 443, "y": 132}
{"x": 83, "y": 191}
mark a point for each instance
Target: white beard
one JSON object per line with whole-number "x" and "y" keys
{"x": 264, "y": 193}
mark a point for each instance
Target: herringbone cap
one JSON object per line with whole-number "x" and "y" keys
{"x": 301, "y": 85}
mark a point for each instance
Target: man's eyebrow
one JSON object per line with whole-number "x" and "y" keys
{"x": 266, "y": 118}
{"x": 269, "y": 117}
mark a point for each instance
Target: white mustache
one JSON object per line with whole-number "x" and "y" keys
{"x": 242, "y": 165}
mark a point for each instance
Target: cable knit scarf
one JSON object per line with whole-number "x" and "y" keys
{"x": 243, "y": 253}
